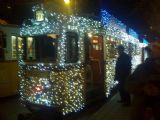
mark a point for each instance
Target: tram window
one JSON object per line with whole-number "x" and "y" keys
{"x": 96, "y": 44}
{"x": 2, "y": 44}
{"x": 72, "y": 47}
{"x": 30, "y": 48}
{"x": 14, "y": 49}
{"x": 16, "y": 43}
{"x": 20, "y": 41}
{"x": 39, "y": 15}
{"x": 41, "y": 48}
{"x": 3, "y": 40}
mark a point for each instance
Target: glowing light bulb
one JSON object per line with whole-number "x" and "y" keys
{"x": 38, "y": 88}
{"x": 67, "y": 1}
{"x": 90, "y": 35}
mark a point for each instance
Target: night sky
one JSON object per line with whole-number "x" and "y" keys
{"x": 141, "y": 15}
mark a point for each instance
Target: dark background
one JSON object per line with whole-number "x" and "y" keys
{"x": 141, "y": 15}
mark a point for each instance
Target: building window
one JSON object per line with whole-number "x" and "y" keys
{"x": 72, "y": 47}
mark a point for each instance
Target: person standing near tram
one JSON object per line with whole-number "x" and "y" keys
{"x": 122, "y": 71}
{"x": 144, "y": 84}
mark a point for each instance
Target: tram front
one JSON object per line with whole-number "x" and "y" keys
{"x": 45, "y": 82}
{"x": 37, "y": 57}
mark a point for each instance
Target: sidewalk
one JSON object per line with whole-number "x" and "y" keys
{"x": 112, "y": 111}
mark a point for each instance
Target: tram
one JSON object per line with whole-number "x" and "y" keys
{"x": 9, "y": 35}
{"x": 65, "y": 61}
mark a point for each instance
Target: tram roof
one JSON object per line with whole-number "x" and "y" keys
{"x": 55, "y": 22}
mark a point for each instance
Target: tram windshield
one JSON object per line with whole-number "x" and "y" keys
{"x": 41, "y": 48}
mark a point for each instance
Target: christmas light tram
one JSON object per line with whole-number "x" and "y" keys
{"x": 66, "y": 61}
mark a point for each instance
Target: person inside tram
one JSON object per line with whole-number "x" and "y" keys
{"x": 144, "y": 84}
{"x": 122, "y": 71}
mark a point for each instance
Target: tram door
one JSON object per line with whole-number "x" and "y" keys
{"x": 96, "y": 57}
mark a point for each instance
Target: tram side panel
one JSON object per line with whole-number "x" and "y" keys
{"x": 8, "y": 60}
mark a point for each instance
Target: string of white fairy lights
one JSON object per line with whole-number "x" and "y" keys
{"x": 64, "y": 84}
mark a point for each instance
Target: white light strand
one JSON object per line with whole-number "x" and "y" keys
{"x": 64, "y": 84}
